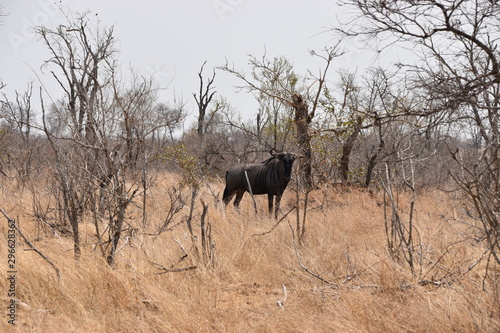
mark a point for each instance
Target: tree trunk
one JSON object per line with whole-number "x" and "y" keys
{"x": 302, "y": 121}
{"x": 347, "y": 149}
{"x": 373, "y": 159}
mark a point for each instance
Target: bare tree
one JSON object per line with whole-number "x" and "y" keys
{"x": 276, "y": 83}
{"x": 19, "y": 114}
{"x": 481, "y": 182}
{"x": 18, "y": 120}
{"x": 106, "y": 120}
{"x": 459, "y": 75}
{"x": 456, "y": 41}
{"x": 80, "y": 56}
{"x": 272, "y": 117}
{"x": 400, "y": 230}
{"x": 347, "y": 116}
{"x": 172, "y": 117}
{"x": 203, "y": 99}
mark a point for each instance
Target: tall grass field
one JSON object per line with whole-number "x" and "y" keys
{"x": 247, "y": 272}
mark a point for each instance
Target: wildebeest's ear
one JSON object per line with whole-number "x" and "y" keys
{"x": 280, "y": 156}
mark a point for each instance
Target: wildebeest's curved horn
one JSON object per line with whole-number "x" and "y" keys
{"x": 272, "y": 151}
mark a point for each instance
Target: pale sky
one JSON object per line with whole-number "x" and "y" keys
{"x": 174, "y": 38}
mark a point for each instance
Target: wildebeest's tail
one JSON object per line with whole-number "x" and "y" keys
{"x": 226, "y": 196}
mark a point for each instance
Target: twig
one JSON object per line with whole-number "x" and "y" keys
{"x": 175, "y": 270}
{"x": 281, "y": 304}
{"x": 170, "y": 270}
{"x": 316, "y": 275}
{"x": 307, "y": 270}
{"x": 250, "y": 190}
{"x": 277, "y": 223}
{"x": 51, "y": 228}
{"x": 123, "y": 245}
{"x": 181, "y": 246}
{"x": 47, "y": 259}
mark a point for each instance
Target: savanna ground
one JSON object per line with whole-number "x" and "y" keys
{"x": 341, "y": 279}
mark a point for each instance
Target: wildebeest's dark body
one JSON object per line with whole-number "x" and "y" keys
{"x": 268, "y": 177}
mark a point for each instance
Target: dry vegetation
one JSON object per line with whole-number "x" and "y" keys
{"x": 257, "y": 283}
{"x": 125, "y": 231}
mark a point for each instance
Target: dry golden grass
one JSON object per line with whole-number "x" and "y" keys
{"x": 345, "y": 244}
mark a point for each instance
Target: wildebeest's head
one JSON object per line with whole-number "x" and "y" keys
{"x": 287, "y": 159}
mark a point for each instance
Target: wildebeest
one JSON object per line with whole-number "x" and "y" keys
{"x": 268, "y": 177}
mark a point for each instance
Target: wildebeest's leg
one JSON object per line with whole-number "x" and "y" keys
{"x": 270, "y": 198}
{"x": 277, "y": 208}
{"x": 239, "y": 195}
